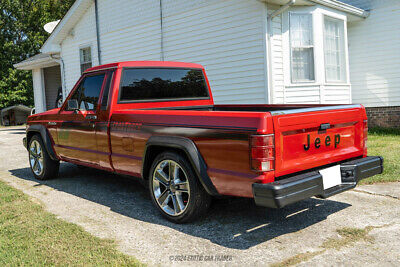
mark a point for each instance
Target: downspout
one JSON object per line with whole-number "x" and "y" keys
{"x": 96, "y": 9}
{"x": 62, "y": 66}
{"x": 270, "y": 35}
{"x": 162, "y": 32}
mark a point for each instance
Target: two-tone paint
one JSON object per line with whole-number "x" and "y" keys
{"x": 116, "y": 136}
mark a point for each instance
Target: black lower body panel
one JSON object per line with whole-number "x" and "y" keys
{"x": 293, "y": 189}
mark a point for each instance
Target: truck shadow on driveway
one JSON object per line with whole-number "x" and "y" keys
{"x": 232, "y": 222}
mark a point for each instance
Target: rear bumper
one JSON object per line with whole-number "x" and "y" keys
{"x": 293, "y": 189}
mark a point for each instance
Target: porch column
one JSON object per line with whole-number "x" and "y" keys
{"x": 39, "y": 90}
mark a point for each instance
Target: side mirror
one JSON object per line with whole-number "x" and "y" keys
{"x": 73, "y": 105}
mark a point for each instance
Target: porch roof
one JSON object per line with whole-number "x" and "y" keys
{"x": 37, "y": 61}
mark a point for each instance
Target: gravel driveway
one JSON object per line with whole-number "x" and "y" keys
{"x": 236, "y": 232}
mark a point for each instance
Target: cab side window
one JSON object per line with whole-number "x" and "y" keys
{"x": 88, "y": 92}
{"x": 77, "y": 94}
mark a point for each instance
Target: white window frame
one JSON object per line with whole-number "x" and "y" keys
{"x": 81, "y": 48}
{"x": 292, "y": 80}
{"x": 344, "y": 55}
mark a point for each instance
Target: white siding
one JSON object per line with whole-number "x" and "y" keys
{"x": 227, "y": 37}
{"x": 83, "y": 34}
{"x": 336, "y": 94}
{"x": 130, "y": 30}
{"x": 375, "y": 55}
{"x": 316, "y": 94}
{"x": 300, "y": 94}
{"x": 278, "y": 74}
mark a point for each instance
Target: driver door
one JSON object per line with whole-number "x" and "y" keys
{"x": 77, "y": 132}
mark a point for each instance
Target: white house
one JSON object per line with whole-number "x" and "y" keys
{"x": 374, "y": 49}
{"x": 254, "y": 51}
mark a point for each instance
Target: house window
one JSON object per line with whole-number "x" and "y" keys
{"x": 335, "y": 61}
{"x": 302, "y": 47}
{"x": 86, "y": 58}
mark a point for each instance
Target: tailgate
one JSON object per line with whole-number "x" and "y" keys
{"x": 312, "y": 137}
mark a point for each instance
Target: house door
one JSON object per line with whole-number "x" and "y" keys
{"x": 77, "y": 133}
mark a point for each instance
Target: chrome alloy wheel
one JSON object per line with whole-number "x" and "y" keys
{"x": 171, "y": 187}
{"x": 36, "y": 157}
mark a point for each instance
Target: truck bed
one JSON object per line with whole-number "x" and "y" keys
{"x": 300, "y": 142}
{"x": 260, "y": 107}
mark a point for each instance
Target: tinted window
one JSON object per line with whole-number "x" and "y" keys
{"x": 77, "y": 94}
{"x": 158, "y": 84}
{"x": 88, "y": 92}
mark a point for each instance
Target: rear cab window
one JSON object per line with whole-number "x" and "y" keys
{"x": 162, "y": 84}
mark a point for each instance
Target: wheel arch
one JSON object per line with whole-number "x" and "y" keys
{"x": 44, "y": 134}
{"x": 184, "y": 146}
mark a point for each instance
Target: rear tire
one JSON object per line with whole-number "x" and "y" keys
{"x": 175, "y": 189}
{"x": 42, "y": 166}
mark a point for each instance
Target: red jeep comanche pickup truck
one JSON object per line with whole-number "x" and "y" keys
{"x": 157, "y": 121}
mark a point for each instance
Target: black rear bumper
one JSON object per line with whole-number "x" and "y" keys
{"x": 293, "y": 189}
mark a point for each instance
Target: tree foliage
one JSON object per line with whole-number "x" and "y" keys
{"x": 21, "y": 36}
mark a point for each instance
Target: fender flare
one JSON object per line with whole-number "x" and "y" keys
{"x": 189, "y": 148}
{"x": 40, "y": 129}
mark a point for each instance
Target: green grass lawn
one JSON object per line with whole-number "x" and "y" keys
{"x": 31, "y": 236}
{"x": 385, "y": 143}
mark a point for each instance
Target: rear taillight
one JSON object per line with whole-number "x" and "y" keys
{"x": 262, "y": 154}
{"x": 365, "y": 125}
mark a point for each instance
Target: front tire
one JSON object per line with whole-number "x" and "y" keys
{"x": 175, "y": 190}
{"x": 42, "y": 166}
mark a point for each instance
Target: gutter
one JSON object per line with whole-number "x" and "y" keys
{"x": 96, "y": 10}
{"x": 270, "y": 34}
{"x": 22, "y": 65}
{"x": 161, "y": 31}
{"x": 343, "y": 7}
{"x": 62, "y": 66}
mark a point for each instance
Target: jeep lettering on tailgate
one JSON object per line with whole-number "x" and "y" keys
{"x": 326, "y": 141}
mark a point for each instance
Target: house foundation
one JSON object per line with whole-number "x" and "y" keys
{"x": 387, "y": 117}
